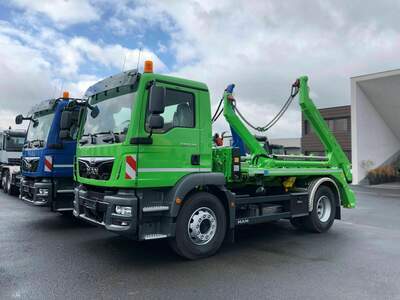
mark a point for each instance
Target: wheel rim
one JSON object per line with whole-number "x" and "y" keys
{"x": 324, "y": 208}
{"x": 202, "y": 226}
{"x": 4, "y": 182}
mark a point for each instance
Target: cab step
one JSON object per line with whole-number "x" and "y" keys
{"x": 154, "y": 236}
{"x": 155, "y": 208}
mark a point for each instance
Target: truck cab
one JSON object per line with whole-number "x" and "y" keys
{"x": 48, "y": 152}
{"x": 11, "y": 143}
{"x": 146, "y": 168}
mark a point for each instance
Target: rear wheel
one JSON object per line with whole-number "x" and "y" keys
{"x": 322, "y": 216}
{"x": 11, "y": 189}
{"x": 4, "y": 181}
{"x": 200, "y": 227}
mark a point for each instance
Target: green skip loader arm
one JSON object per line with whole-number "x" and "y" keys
{"x": 333, "y": 149}
{"x": 337, "y": 159}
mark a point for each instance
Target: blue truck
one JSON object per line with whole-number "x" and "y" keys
{"x": 48, "y": 153}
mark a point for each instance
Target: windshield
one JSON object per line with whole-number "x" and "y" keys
{"x": 14, "y": 143}
{"x": 113, "y": 118}
{"x": 39, "y": 128}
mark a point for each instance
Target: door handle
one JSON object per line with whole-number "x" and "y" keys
{"x": 195, "y": 159}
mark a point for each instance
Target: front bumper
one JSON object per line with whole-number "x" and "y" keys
{"x": 99, "y": 208}
{"x": 30, "y": 191}
{"x": 58, "y": 195}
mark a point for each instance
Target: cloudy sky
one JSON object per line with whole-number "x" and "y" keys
{"x": 47, "y": 46}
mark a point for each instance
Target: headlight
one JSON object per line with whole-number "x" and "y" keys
{"x": 123, "y": 210}
{"x": 43, "y": 192}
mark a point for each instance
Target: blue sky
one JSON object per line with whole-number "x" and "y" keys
{"x": 261, "y": 46}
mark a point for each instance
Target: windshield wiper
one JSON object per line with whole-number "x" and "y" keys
{"x": 34, "y": 143}
{"x": 113, "y": 136}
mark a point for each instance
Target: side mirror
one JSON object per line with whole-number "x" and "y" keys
{"x": 94, "y": 111}
{"x": 19, "y": 119}
{"x": 157, "y": 99}
{"x": 66, "y": 120}
{"x": 156, "y": 122}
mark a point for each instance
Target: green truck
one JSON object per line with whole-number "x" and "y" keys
{"x": 146, "y": 168}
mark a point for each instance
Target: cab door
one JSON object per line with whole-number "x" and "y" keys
{"x": 174, "y": 151}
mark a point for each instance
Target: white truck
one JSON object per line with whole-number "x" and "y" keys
{"x": 11, "y": 144}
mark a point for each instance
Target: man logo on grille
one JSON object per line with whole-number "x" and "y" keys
{"x": 93, "y": 171}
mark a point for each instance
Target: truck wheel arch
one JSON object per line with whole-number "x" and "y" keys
{"x": 327, "y": 181}
{"x": 186, "y": 185}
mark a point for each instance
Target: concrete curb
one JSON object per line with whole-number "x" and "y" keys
{"x": 381, "y": 190}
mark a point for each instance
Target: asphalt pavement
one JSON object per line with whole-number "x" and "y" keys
{"x": 44, "y": 255}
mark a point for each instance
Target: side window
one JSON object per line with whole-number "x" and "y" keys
{"x": 72, "y": 126}
{"x": 179, "y": 110}
{"x": 75, "y": 124}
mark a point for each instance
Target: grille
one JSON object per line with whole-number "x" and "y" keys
{"x": 14, "y": 161}
{"x": 99, "y": 168}
{"x": 29, "y": 164}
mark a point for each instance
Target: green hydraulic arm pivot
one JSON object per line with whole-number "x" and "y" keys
{"x": 333, "y": 149}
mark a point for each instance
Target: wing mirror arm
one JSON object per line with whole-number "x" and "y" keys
{"x": 20, "y": 118}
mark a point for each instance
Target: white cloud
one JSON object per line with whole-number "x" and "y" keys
{"x": 61, "y": 12}
{"x": 114, "y": 55}
{"x": 263, "y": 46}
{"x": 25, "y": 75}
{"x": 38, "y": 65}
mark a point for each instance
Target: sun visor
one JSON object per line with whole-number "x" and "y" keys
{"x": 121, "y": 79}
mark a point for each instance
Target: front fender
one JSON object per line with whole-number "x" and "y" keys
{"x": 190, "y": 182}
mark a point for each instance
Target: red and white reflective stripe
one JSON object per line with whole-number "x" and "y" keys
{"x": 48, "y": 163}
{"x": 130, "y": 167}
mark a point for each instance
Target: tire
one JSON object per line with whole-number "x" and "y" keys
{"x": 205, "y": 239}
{"x": 12, "y": 190}
{"x": 4, "y": 181}
{"x": 323, "y": 213}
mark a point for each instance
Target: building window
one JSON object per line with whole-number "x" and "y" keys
{"x": 331, "y": 124}
{"x": 341, "y": 124}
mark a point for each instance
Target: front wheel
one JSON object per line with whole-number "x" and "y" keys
{"x": 200, "y": 227}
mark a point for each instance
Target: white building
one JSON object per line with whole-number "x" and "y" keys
{"x": 375, "y": 121}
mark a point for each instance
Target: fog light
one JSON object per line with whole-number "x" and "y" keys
{"x": 43, "y": 192}
{"x": 123, "y": 210}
